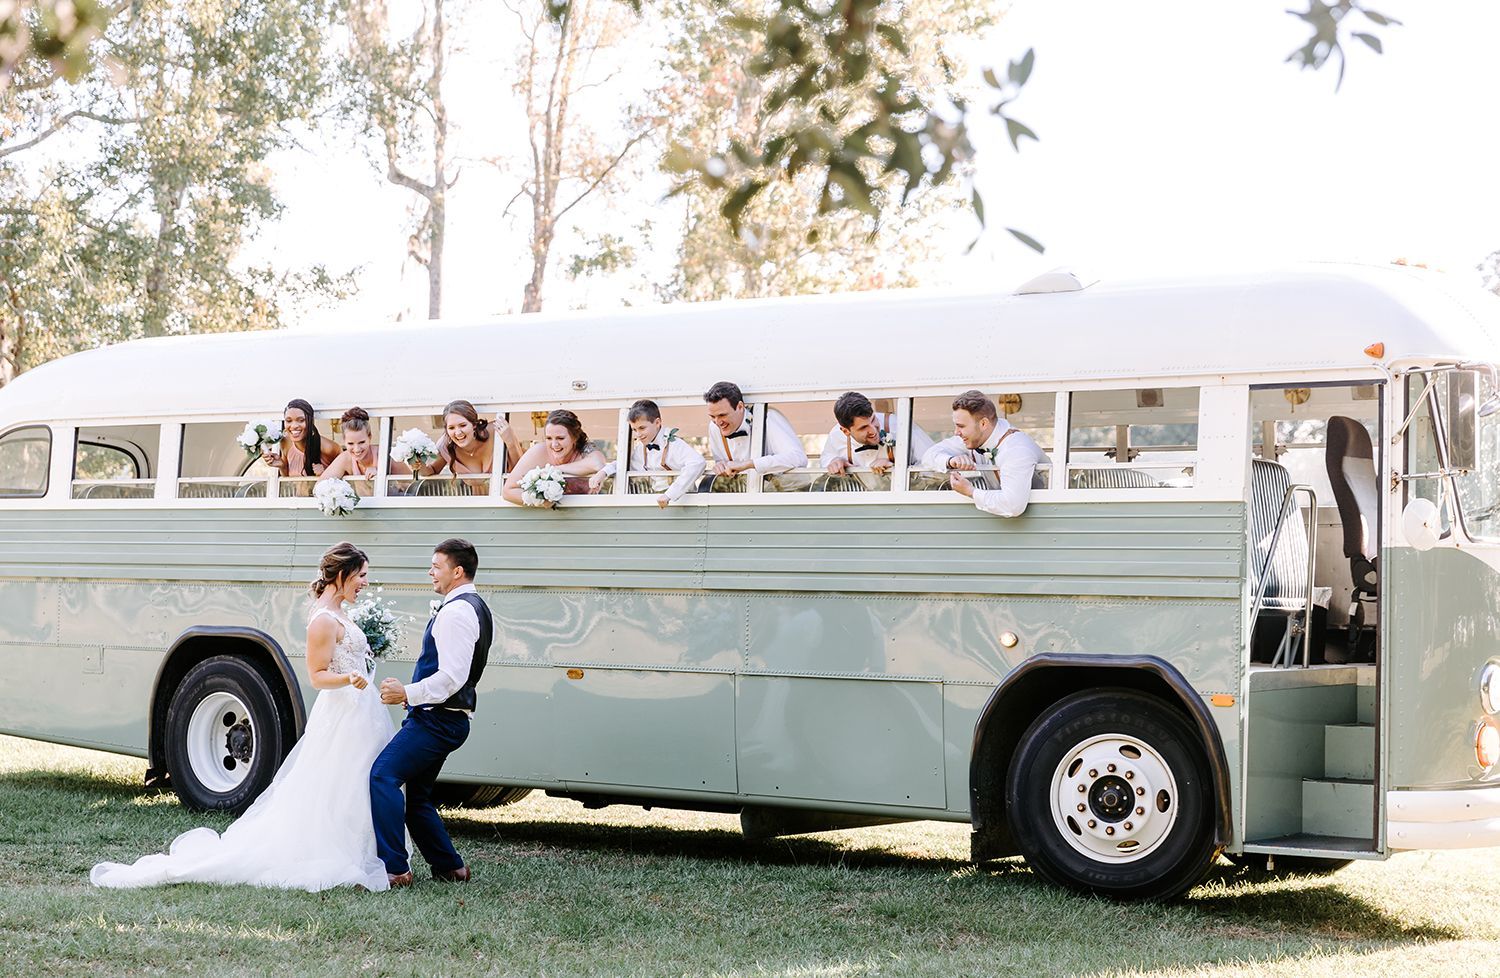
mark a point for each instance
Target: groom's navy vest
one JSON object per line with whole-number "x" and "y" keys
{"x": 427, "y": 664}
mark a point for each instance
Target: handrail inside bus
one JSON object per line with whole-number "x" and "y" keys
{"x": 1287, "y": 502}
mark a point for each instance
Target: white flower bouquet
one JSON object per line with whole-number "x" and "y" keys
{"x": 260, "y": 436}
{"x": 543, "y": 486}
{"x": 335, "y": 497}
{"x": 414, "y": 450}
{"x": 383, "y": 625}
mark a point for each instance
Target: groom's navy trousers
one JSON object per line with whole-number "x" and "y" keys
{"x": 413, "y": 758}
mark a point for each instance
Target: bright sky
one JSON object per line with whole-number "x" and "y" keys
{"x": 1173, "y": 139}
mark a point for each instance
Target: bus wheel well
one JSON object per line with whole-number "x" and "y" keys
{"x": 1038, "y": 683}
{"x": 194, "y": 646}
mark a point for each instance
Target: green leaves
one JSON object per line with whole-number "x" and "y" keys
{"x": 1327, "y": 20}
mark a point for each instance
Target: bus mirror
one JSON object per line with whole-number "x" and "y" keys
{"x": 1421, "y": 524}
{"x": 1463, "y": 419}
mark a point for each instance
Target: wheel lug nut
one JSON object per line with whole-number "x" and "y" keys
{"x": 1080, "y": 807}
{"x": 1140, "y": 791}
{"x": 1110, "y": 830}
{"x": 1082, "y": 789}
{"x": 1110, "y": 769}
{"x": 1128, "y": 826}
{"x": 1093, "y": 824}
{"x": 1093, "y": 772}
{"x": 1129, "y": 775}
{"x": 1140, "y": 811}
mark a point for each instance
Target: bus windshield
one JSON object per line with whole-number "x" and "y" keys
{"x": 1473, "y": 447}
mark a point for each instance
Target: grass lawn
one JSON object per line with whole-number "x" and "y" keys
{"x": 562, "y": 891}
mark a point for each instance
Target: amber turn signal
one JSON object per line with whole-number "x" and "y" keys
{"x": 575, "y": 673}
{"x": 1487, "y": 744}
{"x": 1221, "y": 699}
{"x": 1376, "y": 350}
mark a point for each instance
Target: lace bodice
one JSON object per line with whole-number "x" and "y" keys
{"x": 350, "y": 652}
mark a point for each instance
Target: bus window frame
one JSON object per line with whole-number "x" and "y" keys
{"x": 46, "y": 468}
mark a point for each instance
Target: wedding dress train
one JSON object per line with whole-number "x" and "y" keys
{"x": 311, "y": 829}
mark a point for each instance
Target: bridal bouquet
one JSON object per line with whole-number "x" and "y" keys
{"x": 414, "y": 449}
{"x": 542, "y": 486}
{"x": 260, "y": 436}
{"x": 335, "y": 497}
{"x": 383, "y": 625}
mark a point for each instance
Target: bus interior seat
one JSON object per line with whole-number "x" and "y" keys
{"x": 1121, "y": 478}
{"x": 1284, "y": 571}
{"x": 1350, "y": 460}
{"x": 840, "y": 483}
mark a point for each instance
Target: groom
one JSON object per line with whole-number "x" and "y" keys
{"x": 438, "y": 701}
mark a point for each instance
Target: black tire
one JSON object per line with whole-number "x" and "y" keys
{"x": 1070, "y": 849}
{"x": 253, "y": 745}
{"x": 449, "y": 794}
{"x": 1287, "y": 865}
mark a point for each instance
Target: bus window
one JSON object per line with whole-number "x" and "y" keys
{"x": 215, "y": 466}
{"x": 932, "y": 421}
{"x": 691, "y": 424}
{"x": 1143, "y": 438}
{"x": 823, "y": 439}
{"x": 25, "y": 455}
{"x": 451, "y": 481}
{"x": 601, "y": 425}
{"x": 115, "y": 462}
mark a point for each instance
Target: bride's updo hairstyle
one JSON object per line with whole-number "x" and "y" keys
{"x": 339, "y": 561}
{"x": 355, "y": 419}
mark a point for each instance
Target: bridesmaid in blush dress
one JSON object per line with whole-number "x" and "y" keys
{"x": 303, "y": 451}
{"x": 565, "y": 446}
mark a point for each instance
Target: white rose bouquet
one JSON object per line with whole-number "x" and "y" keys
{"x": 383, "y": 625}
{"x": 335, "y": 497}
{"x": 543, "y": 486}
{"x": 260, "y": 436}
{"x": 414, "y": 450}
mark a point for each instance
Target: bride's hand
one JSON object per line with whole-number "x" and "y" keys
{"x": 358, "y": 681}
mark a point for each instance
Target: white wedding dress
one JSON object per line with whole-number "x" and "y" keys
{"x": 310, "y": 830}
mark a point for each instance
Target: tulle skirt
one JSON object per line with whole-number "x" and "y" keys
{"x": 310, "y": 830}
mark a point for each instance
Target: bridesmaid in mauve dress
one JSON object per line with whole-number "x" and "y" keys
{"x": 565, "y": 446}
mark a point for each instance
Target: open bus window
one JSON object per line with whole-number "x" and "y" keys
{"x": 817, "y": 428}
{"x": 215, "y": 466}
{"x": 115, "y": 462}
{"x": 690, "y": 421}
{"x": 1032, "y": 412}
{"x": 1141, "y": 438}
{"x": 452, "y": 480}
{"x": 25, "y": 455}
{"x": 601, "y": 426}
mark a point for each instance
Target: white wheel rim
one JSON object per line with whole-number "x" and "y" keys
{"x": 220, "y": 742}
{"x": 1114, "y": 799}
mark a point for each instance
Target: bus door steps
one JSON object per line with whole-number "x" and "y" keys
{"x": 1349, "y": 751}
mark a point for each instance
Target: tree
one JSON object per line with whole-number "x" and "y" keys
{"x": 129, "y": 195}
{"x": 395, "y": 88}
{"x": 712, "y": 103}
{"x": 1489, "y": 272}
{"x": 569, "y": 159}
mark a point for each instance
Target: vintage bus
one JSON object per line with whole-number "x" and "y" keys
{"x": 1252, "y": 607}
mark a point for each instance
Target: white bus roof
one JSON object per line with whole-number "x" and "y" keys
{"x": 1311, "y": 319}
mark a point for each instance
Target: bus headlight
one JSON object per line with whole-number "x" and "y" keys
{"x": 1489, "y": 688}
{"x": 1487, "y": 744}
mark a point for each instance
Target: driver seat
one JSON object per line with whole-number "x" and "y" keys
{"x": 1350, "y": 460}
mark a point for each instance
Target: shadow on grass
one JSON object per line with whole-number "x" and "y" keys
{"x": 84, "y": 783}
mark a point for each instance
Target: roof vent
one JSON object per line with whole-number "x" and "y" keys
{"x": 1057, "y": 280}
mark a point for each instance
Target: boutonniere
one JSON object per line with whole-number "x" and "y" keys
{"x": 887, "y": 440}
{"x": 434, "y": 606}
{"x": 672, "y": 434}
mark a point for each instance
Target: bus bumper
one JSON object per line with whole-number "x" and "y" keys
{"x": 1463, "y": 818}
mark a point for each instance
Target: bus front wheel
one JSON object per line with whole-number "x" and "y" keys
{"x": 223, "y": 735}
{"x": 1109, "y": 792}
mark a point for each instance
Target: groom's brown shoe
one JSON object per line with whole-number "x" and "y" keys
{"x": 398, "y": 880}
{"x": 459, "y": 875}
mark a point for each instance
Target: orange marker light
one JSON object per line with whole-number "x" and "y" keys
{"x": 1221, "y": 699}
{"x": 1376, "y": 350}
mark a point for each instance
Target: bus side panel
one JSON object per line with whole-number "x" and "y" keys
{"x": 1444, "y": 623}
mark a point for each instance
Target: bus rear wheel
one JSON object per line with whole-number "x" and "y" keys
{"x": 223, "y": 735}
{"x": 449, "y": 794}
{"x": 1110, "y": 793}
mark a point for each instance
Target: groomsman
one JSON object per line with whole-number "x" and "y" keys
{"x": 982, "y": 437}
{"x": 865, "y": 437}
{"x": 729, "y": 435}
{"x": 654, "y": 448}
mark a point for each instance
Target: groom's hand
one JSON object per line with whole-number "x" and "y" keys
{"x": 392, "y": 692}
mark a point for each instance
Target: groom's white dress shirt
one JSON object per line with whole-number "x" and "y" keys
{"x": 454, "y": 632}
{"x": 1015, "y": 461}
{"x": 838, "y": 443}
{"x": 676, "y": 455}
{"x": 784, "y": 449}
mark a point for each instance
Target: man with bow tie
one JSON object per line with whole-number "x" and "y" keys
{"x": 983, "y": 438}
{"x": 865, "y": 438}
{"x": 655, "y": 449}
{"x": 729, "y": 435}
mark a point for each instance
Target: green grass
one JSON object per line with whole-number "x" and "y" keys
{"x": 562, "y": 891}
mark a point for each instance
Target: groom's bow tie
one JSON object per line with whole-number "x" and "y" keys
{"x": 742, "y": 433}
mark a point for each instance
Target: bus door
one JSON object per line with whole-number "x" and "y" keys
{"x": 1311, "y": 773}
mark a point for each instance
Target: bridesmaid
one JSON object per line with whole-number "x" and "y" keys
{"x": 466, "y": 448}
{"x": 359, "y": 461}
{"x": 565, "y": 446}
{"x": 302, "y": 451}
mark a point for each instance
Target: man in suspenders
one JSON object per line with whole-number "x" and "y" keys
{"x": 865, "y": 437}
{"x": 729, "y": 435}
{"x": 983, "y": 438}
{"x": 438, "y": 700}
{"x": 656, "y": 449}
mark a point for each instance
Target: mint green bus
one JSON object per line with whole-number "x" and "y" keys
{"x": 1252, "y": 607}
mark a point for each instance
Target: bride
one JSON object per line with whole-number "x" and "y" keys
{"x": 311, "y": 829}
